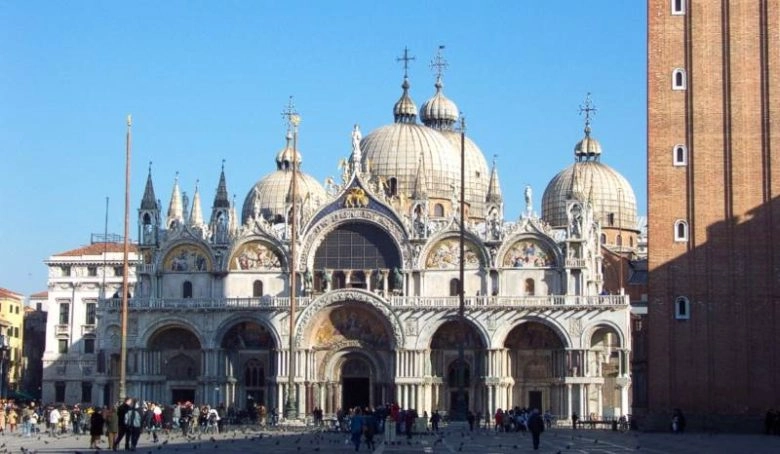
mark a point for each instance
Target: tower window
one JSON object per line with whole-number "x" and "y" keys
{"x": 611, "y": 219}
{"x": 678, "y": 79}
{"x": 438, "y": 210}
{"x": 603, "y": 238}
{"x": 678, "y": 7}
{"x": 680, "y": 230}
{"x": 619, "y": 240}
{"x": 682, "y": 308}
{"x": 186, "y": 289}
{"x": 680, "y": 155}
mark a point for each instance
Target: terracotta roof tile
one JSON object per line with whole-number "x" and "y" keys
{"x": 96, "y": 249}
{"x": 43, "y": 294}
{"x": 5, "y": 293}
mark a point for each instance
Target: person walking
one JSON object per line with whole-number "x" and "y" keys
{"x": 54, "y": 421}
{"x": 356, "y": 428}
{"x": 133, "y": 421}
{"x": 112, "y": 426}
{"x": 536, "y": 427}
{"x": 121, "y": 412}
{"x": 96, "y": 423}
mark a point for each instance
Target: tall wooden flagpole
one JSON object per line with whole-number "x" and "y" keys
{"x": 125, "y": 266}
{"x": 291, "y": 405}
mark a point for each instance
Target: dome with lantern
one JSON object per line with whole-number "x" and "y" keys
{"x": 270, "y": 197}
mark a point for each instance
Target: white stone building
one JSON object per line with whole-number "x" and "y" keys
{"x": 77, "y": 279}
{"x": 377, "y": 263}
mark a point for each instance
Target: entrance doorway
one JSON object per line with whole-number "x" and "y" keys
{"x": 182, "y": 395}
{"x": 355, "y": 392}
{"x": 454, "y": 401}
{"x": 535, "y": 400}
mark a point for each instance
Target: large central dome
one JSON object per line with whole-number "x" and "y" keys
{"x": 396, "y": 151}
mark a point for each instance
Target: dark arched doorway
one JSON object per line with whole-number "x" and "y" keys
{"x": 447, "y": 366}
{"x": 536, "y": 357}
{"x": 180, "y": 355}
{"x": 355, "y": 382}
{"x": 249, "y": 350}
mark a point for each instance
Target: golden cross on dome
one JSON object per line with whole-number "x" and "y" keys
{"x": 406, "y": 59}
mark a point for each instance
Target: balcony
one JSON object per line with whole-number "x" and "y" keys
{"x": 401, "y": 302}
{"x": 61, "y": 329}
{"x": 87, "y": 329}
{"x": 144, "y": 268}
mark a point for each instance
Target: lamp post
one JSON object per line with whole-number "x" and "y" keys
{"x": 460, "y": 403}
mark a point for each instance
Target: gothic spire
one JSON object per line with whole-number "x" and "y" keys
{"x": 149, "y": 201}
{"x": 221, "y": 199}
{"x": 494, "y": 188}
{"x": 196, "y": 214}
{"x": 420, "y": 182}
{"x": 175, "y": 209}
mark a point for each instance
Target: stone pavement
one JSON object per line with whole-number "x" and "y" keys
{"x": 289, "y": 441}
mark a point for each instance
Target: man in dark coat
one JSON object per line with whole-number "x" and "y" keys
{"x": 536, "y": 427}
{"x": 123, "y": 433}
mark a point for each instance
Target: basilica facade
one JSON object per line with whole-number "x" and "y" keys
{"x": 377, "y": 286}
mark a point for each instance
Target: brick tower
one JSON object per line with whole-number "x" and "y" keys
{"x": 714, "y": 213}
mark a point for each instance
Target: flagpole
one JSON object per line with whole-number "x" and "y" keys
{"x": 125, "y": 266}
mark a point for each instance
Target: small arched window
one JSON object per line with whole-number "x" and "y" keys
{"x": 454, "y": 287}
{"x": 438, "y": 210}
{"x": 682, "y": 308}
{"x": 679, "y": 79}
{"x": 680, "y": 155}
{"x": 619, "y": 240}
{"x": 257, "y": 289}
{"x": 678, "y": 7}
{"x": 603, "y": 238}
{"x": 186, "y": 289}
{"x": 530, "y": 287}
{"x": 680, "y": 230}
{"x": 631, "y": 241}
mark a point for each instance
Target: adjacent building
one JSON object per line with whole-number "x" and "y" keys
{"x": 11, "y": 340}
{"x": 77, "y": 279}
{"x": 713, "y": 185}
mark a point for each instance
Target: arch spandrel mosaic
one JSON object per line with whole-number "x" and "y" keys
{"x": 533, "y": 336}
{"x": 528, "y": 253}
{"x": 187, "y": 258}
{"x": 350, "y": 323}
{"x": 248, "y": 335}
{"x": 448, "y": 336}
{"x": 445, "y": 255}
{"x": 255, "y": 255}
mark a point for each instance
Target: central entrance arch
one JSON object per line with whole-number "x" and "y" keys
{"x": 355, "y": 382}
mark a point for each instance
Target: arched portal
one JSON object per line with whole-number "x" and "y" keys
{"x": 351, "y": 254}
{"x": 456, "y": 379}
{"x": 249, "y": 352}
{"x": 179, "y": 353}
{"x": 606, "y": 398}
{"x": 352, "y": 344}
{"x": 536, "y": 357}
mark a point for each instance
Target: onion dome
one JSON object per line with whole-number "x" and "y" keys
{"x": 477, "y": 172}
{"x": 588, "y": 147}
{"x": 270, "y": 197}
{"x": 439, "y": 112}
{"x": 405, "y": 110}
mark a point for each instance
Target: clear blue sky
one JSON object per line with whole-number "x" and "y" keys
{"x": 208, "y": 80}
